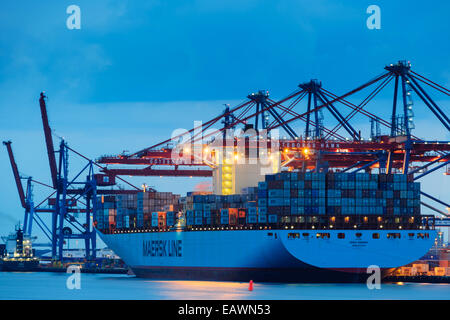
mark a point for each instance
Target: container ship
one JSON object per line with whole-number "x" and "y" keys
{"x": 289, "y": 227}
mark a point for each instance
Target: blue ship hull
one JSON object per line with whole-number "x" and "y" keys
{"x": 267, "y": 255}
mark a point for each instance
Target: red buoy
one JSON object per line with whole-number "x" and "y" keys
{"x": 250, "y": 286}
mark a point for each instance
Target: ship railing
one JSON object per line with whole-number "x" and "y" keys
{"x": 356, "y": 222}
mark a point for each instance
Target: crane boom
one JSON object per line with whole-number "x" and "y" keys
{"x": 48, "y": 140}
{"x": 16, "y": 173}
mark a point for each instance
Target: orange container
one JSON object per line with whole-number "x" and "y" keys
{"x": 233, "y": 212}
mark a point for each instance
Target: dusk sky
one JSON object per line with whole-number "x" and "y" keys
{"x": 137, "y": 70}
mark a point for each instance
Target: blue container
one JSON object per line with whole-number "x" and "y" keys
{"x": 224, "y": 220}
{"x": 262, "y": 218}
{"x": 251, "y": 204}
{"x": 262, "y": 185}
{"x": 262, "y": 202}
{"x": 170, "y": 214}
{"x": 198, "y": 221}
{"x": 189, "y": 221}
{"x": 275, "y": 193}
{"x": 252, "y": 219}
{"x": 262, "y": 193}
{"x": 276, "y": 202}
{"x": 285, "y": 176}
{"x": 272, "y": 218}
{"x": 262, "y": 210}
{"x": 198, "y": 213}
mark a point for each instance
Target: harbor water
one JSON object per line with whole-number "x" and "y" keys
{"x": 53, "y": 286}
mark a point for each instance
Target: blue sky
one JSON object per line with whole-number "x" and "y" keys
{"x": 139, "y": 69}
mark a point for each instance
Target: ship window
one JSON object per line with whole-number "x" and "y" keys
{"x": 358, "y": 235}
{"x": 393, "y": 235}
{"x": 305, "y": 235}
{"x": 341, "y": 235}
{"x": 293, "y": 235}
{"x": 323, "y": 235}
{"x": 270, "y": 234}
{"x": 286, "y": 219}
{"x": 411, "y": 235}
{"x": 427, "y": 235}
{"x": 375, "y": 235}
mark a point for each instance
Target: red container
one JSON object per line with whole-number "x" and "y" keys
{"x": 69, "y": 202}
{"x": 104, "y": 179}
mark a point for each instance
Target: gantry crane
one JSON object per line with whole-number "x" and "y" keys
{"x": 319, "y": 147}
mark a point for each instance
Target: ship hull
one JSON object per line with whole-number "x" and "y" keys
{"x": 267, "y": 255}
{"x": 280, "y": 275}
{"x": 19, "y": 265}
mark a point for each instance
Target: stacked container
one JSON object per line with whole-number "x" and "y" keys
{"x": 127, "y": 207}
{"x": 149, "y": 202}
{"x": 283, "y": 197}
{"x": 106, "y": 214}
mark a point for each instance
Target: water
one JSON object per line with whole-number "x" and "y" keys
{"x": 44, "y": 285}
